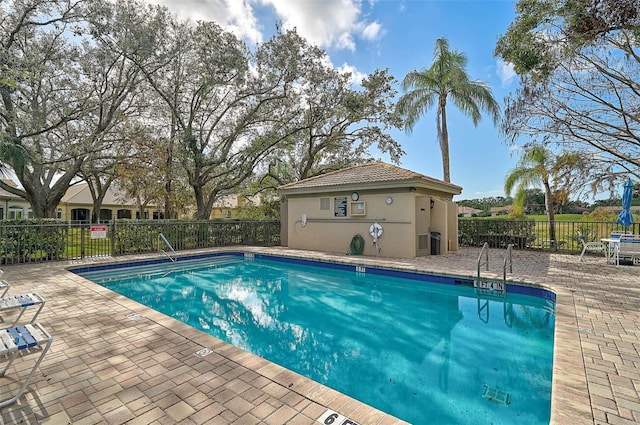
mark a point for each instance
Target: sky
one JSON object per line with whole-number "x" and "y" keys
{"x": 364, "y": 35}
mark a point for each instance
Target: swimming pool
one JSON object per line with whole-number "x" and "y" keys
{"x": 424, "y": 352}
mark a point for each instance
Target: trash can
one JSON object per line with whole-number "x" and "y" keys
{"x": 435, "y": 243}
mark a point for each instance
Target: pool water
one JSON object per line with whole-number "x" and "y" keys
{"x": 427, "y": 353}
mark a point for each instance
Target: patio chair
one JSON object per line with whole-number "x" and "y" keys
{"x": 21, "y": 302}
{"x": 4, "y": 285}
{"x": 595, "y": 246}
{"x": 23, "y": 340}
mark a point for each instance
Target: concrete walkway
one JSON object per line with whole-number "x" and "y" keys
{"x": 115, "y": 361}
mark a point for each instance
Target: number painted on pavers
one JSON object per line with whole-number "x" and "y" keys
{"x": 332, "y": 418}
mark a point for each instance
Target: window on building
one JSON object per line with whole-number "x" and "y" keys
{"x": 15, "y": 213}
{"x": 80, "y": 215}
{"x": 124, "y": 214}
{"x": 59, "y": 214}
{"x": 105, "y": 215}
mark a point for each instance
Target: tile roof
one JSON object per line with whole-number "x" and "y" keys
{"x": 368, "y": 174}
{"x": 468, "y": 210}
{"x": 80, "y": 194}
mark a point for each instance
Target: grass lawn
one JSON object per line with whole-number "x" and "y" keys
{"x": 566, "y": 226}
{"x": 535, "y": 217}
{"x": 558, "y": 217}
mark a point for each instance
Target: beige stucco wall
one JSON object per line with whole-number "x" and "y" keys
{"x": 15, "y": 204}
{"x": 452, "y": 226}
{"x": 408, "y": 216}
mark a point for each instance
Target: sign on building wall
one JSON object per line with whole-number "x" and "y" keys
{"x": 340, "y": 206}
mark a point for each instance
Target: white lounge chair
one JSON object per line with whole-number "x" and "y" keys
{"x": 595, "y": 246}
{"x": 21, "y": 302}
{"x": 629, "y": 247}
{"x": 22, "y": 340}
{"x": 4, "y": 285}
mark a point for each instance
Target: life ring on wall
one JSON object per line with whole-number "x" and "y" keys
{"x": 375, "y": 231}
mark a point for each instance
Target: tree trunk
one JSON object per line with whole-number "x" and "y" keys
{"x": 97, "y": 206}
{"x": 98, "y": 191}
{"x": 202, "y": 212}
{"x": 548, "y": 203}
{"x": 168, "y": 176}
{"x": 443, "y": 139}
{"x": 42, "y": 209}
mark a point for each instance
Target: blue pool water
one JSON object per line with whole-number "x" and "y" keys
{"x": 428, "y": 353}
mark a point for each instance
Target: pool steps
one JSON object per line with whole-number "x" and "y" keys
{"x": 165, "y": 269}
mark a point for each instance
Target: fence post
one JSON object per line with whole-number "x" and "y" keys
{"x": 113, "y": 238}
{"x": 82, "y": 241}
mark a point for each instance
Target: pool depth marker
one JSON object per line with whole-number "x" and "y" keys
{"x": 332, "y": 418}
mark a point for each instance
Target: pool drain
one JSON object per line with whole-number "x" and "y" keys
{"x": 496, "y": 395}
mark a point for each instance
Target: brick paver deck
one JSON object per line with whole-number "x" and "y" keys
{"x": 114, "y": 361}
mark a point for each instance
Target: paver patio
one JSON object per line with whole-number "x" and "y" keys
{"x": 114, "y": 361}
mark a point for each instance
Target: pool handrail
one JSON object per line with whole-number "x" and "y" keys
{"x": 164, "y": 239}
{"x": 485, "y": 251}
{"x": 508, "y": 258}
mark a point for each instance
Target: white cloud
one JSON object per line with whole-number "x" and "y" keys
{"x": 356, "y": 76}
{"x": 234, "y": 15}
{"x": 372, "y": 31}
{"x": 327, "y": 23}
{"x": 242, "y": 22}
{"x": 506, "y": 72}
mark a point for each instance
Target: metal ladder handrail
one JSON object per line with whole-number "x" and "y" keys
{"x": 161, "y": 237}
{"x": 485, "y": 250}
{"x": 508, "y": 256}
{"x": 487, "y": 288}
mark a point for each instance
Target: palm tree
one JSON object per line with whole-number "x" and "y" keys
{"x": 446, "y": 78}
{"x": 12, "y": 154}
{"x": 535, "y": 167}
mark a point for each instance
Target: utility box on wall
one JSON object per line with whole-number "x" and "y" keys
{"x": 435, "y": 243}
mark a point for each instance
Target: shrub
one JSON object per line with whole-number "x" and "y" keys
{"x": 498, "y": 233}
{"x": 32, "y": 240}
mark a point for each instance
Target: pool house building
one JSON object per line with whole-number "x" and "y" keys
{"x": 394, "y": 211}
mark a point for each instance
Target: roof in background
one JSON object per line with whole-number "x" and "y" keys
{"x": 235, "y": 201}
{"x": 80, "y": 194}
{"x": 370, "y": 175}
{"x": 469, "y": 210}
{"x": 617, "y": 208}
{"x": 8, "y": 195}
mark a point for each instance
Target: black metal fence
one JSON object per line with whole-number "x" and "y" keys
{"x": 24, "y": 243}
{"x": 530, "y": 234}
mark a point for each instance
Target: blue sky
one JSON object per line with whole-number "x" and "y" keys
{"x": 363, "y": 35}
